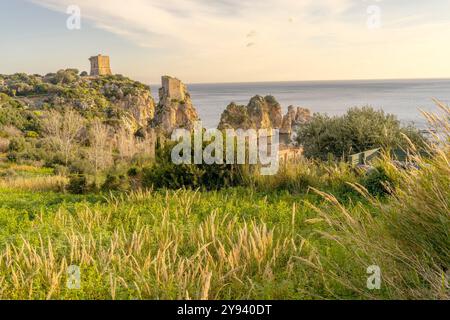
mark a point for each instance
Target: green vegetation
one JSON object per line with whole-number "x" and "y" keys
{"x": 234, "y": 243}
{"x": 80, "y": 191}
{"x": 73, "y": 124}
{"x": 359, "y": 130}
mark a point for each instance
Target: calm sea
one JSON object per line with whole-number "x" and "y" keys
{"x": 404, "y": 98}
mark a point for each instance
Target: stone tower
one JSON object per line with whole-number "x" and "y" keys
{"x": 100, "y": 65}
{"x": 173, "y": 88}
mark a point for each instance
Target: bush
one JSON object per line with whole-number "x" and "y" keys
{"x": 378, "y": 182}
{"x": 61, "y": 170}
{"x": 165, "y": 174}
{"x": 360, "y": 129}
{"x": 32, "y": 134}
{"x": 17, "y": 145}
{"x": 78, "y": 184}
{"x": 4, "y": 145}
{"x": 116, "y": 182}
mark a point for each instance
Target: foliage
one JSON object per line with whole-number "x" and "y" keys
{"x": 116, "y": 182}
{"x": 360, "y": 129}
{"x": 165, "y": 174}
{"x": 93, "y": 97}
{"x": 78, "y": 184}
{"x": 378, "y": 182}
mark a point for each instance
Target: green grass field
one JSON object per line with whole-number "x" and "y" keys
{"x": 231, "y": 244}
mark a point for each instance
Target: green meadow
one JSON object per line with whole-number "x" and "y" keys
{"x": 249, "y": 242}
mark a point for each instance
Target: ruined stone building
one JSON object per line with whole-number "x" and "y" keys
{"x": 175, "y": 109}
{"x": 173, "y": 88}
{"x": 100, "y": 65}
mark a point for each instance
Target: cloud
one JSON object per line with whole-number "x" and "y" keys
{"x": 157, "y": 23}
{"x": 295, "y": 38}
{"x": 252, "y": 34}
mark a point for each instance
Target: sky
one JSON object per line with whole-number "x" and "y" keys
{"x": 214, "y": 41}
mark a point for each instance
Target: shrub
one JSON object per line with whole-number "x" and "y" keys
{"x": 61, "y": 170}
{"x": 360, "y": 129}
{"x": 78, "y": 184}
{"x": 165, "y": 174}
{"x": 378, "y": 182}
{"x": 17, "y": 144}
{"x": 4, "y": 145}
{"x": 32, "y": 134}
{"x": 133, "y": 172}
{"x": 116, "y": 182}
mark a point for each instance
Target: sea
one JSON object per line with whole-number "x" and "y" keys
{"x": 403, "y": 98}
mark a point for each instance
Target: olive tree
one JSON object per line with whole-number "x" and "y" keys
{"x": 360, "y": 129}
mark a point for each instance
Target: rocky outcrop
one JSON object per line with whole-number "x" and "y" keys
{"x": 140, "y": 106}
{"x": 260, "y": 113}
{"x": 175, "y": 108}
{"x": 294, "y": 118}
{"x": 263, "y": 113}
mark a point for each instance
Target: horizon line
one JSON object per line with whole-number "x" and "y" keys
{"x": 316, "y": 80}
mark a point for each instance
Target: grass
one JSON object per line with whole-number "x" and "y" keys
{"x": 44, "y": 183}
{"x": 310, "y": 232}
{"x": 156, "y": 245}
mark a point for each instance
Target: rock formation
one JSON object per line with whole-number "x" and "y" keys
{"x": 294, "y": 118}
{"x": 260, "y": 113}
{"x": 140, "y": 106}
{"x": 175, "y": 108}
{"x": 263, "y": 113}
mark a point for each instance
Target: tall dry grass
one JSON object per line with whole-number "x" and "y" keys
{"x": 38, "y": 183}
{"x": 124, "y": 255}
{"x": 193, "y": 245}
{"x": 408, "y": 236}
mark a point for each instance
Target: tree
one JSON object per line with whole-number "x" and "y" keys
{"x": 130, "y": 142}
{"x": 62, "y": 131}
{"x": 360, "y": 129}
{"x": 100, "y": 150}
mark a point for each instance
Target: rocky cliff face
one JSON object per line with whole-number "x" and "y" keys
{"x": 140, "y": 106}
{"x": 175, "y": 108}
{"x": 263, "y": 113}
{"x": 294, "y": 118}
{"x": 260, "y": 113}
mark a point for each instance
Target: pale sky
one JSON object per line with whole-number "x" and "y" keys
{"x": 231, "y": 40}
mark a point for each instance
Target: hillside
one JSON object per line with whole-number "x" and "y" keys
{"x": 108, "y": 97}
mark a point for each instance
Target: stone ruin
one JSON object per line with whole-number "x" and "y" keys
{"x": 175, "y": 108}
{"x": 100, "y": 65}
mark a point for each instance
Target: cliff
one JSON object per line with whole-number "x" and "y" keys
{"x": 260, "y": 113}
{"x": 175, "y": 108}
{"x": 263, "y": 113}
{"x": 294, "y": 118}
{"x": 109, "y": 97}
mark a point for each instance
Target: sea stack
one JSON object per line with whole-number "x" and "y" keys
{"x": 175, "y": 108}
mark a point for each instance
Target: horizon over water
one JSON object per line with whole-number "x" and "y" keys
{"x": 402, "y": 98}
